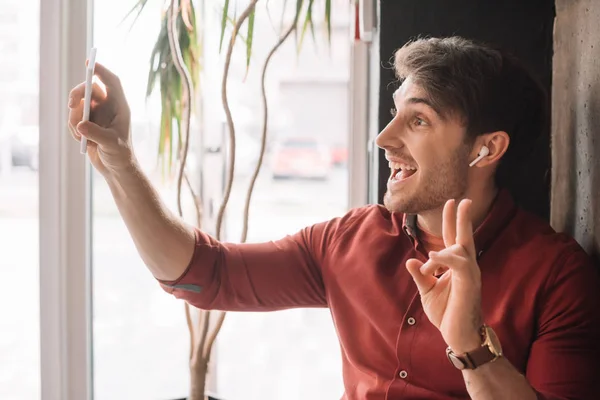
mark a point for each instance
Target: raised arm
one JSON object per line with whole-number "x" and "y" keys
{"x": 164, "y": 241}
{"x": 256, "y": 277}
{"x": 187, "y": 262}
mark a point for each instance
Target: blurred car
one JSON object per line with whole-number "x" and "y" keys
{"x": 24, "y": 147}
{"x": 303, "y": 158}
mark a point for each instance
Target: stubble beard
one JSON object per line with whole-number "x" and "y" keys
{"x": 447, "y": 180}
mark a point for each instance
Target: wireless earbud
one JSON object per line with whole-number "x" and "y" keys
{"x": 482, "y": 153}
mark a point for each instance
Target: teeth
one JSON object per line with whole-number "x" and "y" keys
{"x": 395, "y": 165}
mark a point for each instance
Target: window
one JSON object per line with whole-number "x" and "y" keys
{"x": 109, "y": 331}
{"x": 139, "y": 333}
{"x": 19, "y": 244}
{"x": 290, "y": 354}
{"x": 140, "y": 337}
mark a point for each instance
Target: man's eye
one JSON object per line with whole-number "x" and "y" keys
{"x": 393, "y": 111}
{"x": 419, "y": 122}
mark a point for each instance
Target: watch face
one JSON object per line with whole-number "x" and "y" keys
{"x": 493, "y": 342}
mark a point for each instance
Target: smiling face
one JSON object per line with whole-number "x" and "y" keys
{"x": 427, "y": 151}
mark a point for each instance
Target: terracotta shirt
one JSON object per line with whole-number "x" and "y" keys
{"x": 540, "y": 293}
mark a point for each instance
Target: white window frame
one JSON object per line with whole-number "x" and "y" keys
{"x": 358, "y": 139}
{"x": 370, "y": 26}
{"x": 64, "y": 204}
{"x": 364, "y": 99}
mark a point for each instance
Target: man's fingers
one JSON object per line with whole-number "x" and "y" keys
{"x": 76, "y": 105}
{"x": 448, "y": 258}
{"x": 75, "y": 116}
{"x": 78, "y": 93}
{"x": 96, "y": 133}
{"x": 424, "y": 282}
{"x": 449, "y": 223}
{"x": 74, "y": 132}
{"x": 464, "y": 228}
{"x": 430, "y": 267}
{"x": 110, "y": 80}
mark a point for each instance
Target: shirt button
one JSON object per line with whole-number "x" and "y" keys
{"x": 403, "y": 374}
{"x": 411, "y": 321}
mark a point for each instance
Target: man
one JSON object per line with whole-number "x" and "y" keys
{"x": 424, "y": 308}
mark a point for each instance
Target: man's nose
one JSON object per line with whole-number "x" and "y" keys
{"x": 390, "y": 136}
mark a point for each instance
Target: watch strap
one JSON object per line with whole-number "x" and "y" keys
{"x": 472, "y": 359}
{"x": 489, "y": 351}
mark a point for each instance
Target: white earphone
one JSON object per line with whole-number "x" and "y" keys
{"x": 482, "y": 153}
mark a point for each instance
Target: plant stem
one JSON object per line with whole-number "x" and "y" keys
{"x": 204, "y": 325}
{"x": 198, "y": 386}
{"x": 198, "y": 365}
{"x": 187, "y": 83}
{"x": 227, "y": 109}
{"x": 263, "y": 144}
{"x": 197, "y": 202}
{"x": 213, "y": 336}
{"x": 190, "y": 325}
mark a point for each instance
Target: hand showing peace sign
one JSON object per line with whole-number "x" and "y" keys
{"x": 452, "y": 302}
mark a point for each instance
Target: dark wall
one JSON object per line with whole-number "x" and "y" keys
{"x": 576, "y": 123}
{"x": 523, "y": 27}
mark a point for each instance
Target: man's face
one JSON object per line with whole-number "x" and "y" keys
{"x": 428, "y": 154}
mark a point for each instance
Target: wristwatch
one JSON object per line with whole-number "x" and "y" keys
{"x": 489, "y": 351}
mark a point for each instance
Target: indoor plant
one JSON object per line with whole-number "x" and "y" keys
{"x": 175, "y": 69}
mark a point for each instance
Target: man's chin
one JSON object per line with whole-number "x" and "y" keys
{"x": 397, "y": 203}
{"x": 406, "y": 204}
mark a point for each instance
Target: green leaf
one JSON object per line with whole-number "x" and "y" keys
{"x": 239, "y": 34}
{"x": 328, "y": 19}
{"x": 163, "y": 75}
{"x": 140, "y": 7}
{"x": 158, "y": 56}
{"x": 224, "y": 23}
{"x": 249, "y": 38}
{"x": 299, "y": 4}
{"x": 307, "y": 23}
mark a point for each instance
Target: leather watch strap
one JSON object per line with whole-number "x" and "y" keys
{"x": 489, "y": 351}
{"x": 475, "y": 358}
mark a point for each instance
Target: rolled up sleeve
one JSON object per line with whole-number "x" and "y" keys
{"x": 564, "y": 362}
{"x": 259, "y": 276}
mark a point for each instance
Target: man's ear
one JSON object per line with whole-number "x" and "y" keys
{"x": 497, "y": 143}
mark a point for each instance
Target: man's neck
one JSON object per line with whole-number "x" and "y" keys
{"x": 431, "y": 221}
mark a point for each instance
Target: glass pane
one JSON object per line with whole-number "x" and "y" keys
{"x": 288, "y": 354}
{"x": 19, "y": 244}
{"x": 140, "y": 343}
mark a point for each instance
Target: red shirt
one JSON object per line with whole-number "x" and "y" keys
{"x": 540, "y": 293}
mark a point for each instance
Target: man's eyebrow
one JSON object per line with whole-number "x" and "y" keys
{"x": 421, "y": 100}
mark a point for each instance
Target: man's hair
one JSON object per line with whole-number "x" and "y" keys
{"x": 488, "y": 89}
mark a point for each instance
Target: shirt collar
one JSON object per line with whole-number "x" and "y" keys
{"x": 501, "y": 213}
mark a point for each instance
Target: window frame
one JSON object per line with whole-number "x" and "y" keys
{"x": 358, "y": 139}
{"x": 64, "y": 205}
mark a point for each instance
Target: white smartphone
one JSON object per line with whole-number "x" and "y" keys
{"x": 89, "y": 75}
